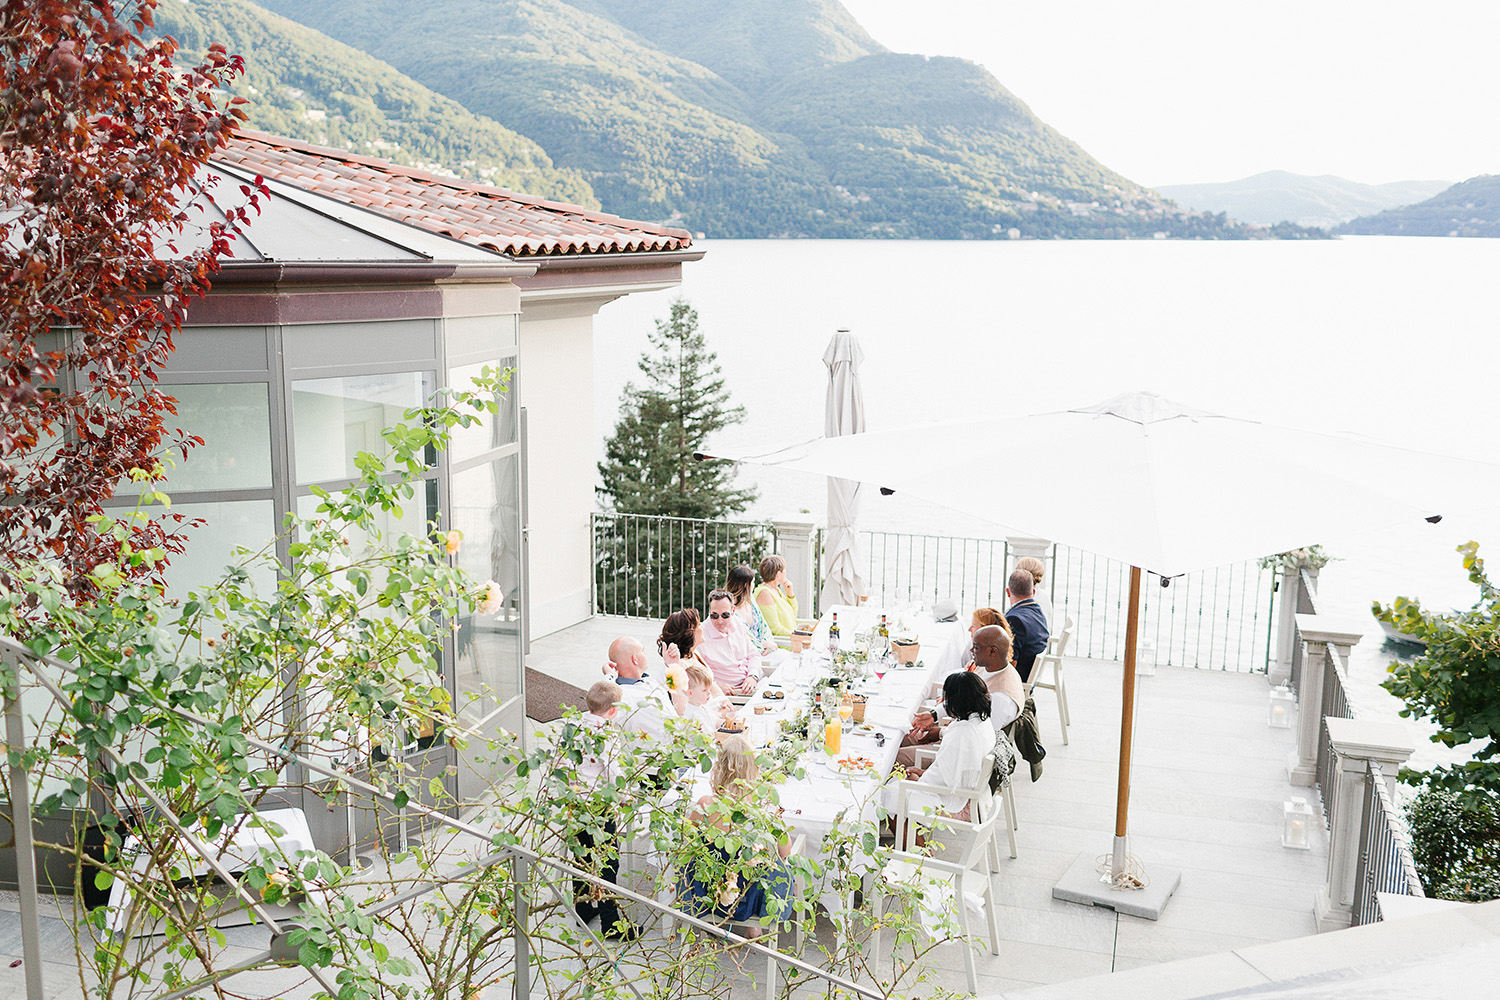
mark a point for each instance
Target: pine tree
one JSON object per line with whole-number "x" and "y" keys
{"x": 649, "y": 466}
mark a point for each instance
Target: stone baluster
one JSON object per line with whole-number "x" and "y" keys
{"x": 1315, "y": 638}
{"x": 1356, "y": 742}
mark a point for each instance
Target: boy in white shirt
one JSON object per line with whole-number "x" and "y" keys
{"x": 700, "y": 699}
{"x": 594, "y": 770}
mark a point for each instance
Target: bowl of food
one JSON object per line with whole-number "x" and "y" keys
{"x": 732, "y": 725}
{"x": 773, "y": 694}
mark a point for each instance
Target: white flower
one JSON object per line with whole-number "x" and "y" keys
{"x": 493, "y": 598}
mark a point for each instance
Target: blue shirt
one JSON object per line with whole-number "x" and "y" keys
{"x": 1029, "y": 626}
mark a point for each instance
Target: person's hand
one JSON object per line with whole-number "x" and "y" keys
{"x": 913, "y": 773}
{"x": 670, "y": 654}
{"x": 746, "y": 688}
{"x": 609, "y": 671}
{"x": 924, "y": 719}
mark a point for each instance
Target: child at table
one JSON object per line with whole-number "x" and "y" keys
{"x": 701, "y": 706}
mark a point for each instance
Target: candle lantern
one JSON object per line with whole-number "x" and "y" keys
{"x": 1296, "y": 824}
{"x": 1282, "y": 703}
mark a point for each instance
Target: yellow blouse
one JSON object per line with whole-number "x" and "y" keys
{"x": 780, "y": 613}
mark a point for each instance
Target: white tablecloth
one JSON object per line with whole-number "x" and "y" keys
{"x": 813, "y": 804}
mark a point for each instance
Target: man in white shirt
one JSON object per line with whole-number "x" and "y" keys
{"x": 645, "y": 701}
{"x": 1007, "y": 692}
{"x": 727, "y": 648}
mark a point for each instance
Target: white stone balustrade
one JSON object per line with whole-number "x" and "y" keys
{"x": 1355, "y": 742}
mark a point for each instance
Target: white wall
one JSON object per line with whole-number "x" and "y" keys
{"x": 555, "y": 375}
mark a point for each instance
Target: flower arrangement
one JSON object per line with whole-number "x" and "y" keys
{"x": 1313, "y": 558}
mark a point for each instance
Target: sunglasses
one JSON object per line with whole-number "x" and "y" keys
{"x": 721, "y": 614}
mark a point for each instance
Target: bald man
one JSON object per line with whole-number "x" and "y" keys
{"x": 644, "y": 699}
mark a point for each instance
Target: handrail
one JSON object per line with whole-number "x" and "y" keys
{"x": 513, "y": 852}
{"x": 1385, "y": 859}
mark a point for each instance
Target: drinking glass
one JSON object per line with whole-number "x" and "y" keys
{"x": 846, "y": 712}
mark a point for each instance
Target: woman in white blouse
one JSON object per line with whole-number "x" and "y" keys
{"x": 965, "y": 743}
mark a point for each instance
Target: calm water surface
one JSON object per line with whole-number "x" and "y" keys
{"x": 1393, "y": 338}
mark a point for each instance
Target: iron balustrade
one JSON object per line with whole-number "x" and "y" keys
{"x": 1385, "y": 861}
{"x": 1336, "y": 704}
{"x": 647, "y": 566}
{"x": 1219, "y": 619}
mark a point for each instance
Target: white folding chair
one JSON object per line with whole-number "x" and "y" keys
{"x": 977, "y": 853}
{"x": 1052, "y": 657}
{"x": 981, "y": 801}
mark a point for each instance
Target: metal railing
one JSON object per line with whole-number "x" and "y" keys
{"x": 1385, "y": 861}
{"x": 16, "y": 659}
{"x": 1219, "y": 619}
{"x": 1336, "y": 704}
{"x": 647, "y": 566}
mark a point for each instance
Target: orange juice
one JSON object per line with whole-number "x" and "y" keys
{"x": 832, "y": 735}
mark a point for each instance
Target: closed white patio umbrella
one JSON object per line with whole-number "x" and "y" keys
{"x": 1176, "y": 489}
{"x": 843, "y": 579}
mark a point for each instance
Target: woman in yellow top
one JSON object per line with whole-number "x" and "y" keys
{"x": 774, "y": 596}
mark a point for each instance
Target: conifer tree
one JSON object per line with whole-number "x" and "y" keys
{"x": 649, "y": 466}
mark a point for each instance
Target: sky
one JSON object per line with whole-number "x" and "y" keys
{"x": 1189, "y": 91}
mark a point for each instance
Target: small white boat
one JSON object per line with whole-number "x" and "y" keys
{"x": 1396, "y": 635}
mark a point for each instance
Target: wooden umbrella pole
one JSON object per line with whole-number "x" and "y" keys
{"x": 1127, "y": 722}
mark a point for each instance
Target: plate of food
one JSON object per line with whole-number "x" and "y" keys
{"x": 732, "y": 726}
{"x": 855, "y": 765}
{"x": 774, "y": 694}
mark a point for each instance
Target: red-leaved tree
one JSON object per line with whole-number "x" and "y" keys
{"x": 102, "y": 143}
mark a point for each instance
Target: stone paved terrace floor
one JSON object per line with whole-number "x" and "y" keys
{"x": 1209, "y": 783}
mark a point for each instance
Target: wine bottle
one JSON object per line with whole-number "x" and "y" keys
{"x": 833, "y": 634}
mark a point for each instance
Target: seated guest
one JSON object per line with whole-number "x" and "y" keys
{"x": 700, "y": 704}
{"x": 1038, "y": 569}
{"x": 774, "y": 596}
{"x": 965, "y": 742}
{"x": 680, "y": 639}
{"x": 755, "y": 883}
{"x": 644, "y": 699}
{"x": 740, "y": 583}
{"x": 1007, "y": 694}
{"x": 596, "y": 769}
{"x": 1027, "y": 623}
{"x": 727, "y": 648}
{"x": 958, "y": 656}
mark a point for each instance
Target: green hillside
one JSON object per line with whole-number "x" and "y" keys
{"x": 1470, "y": 208}
{"x": 757, "y": 118}
{"x": 1275, "y": 195}
{"x": 304, "y": 85}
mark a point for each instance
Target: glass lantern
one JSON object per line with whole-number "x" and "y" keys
{"x": 1296, "y": 824}
{"x": 1282, "y": 704}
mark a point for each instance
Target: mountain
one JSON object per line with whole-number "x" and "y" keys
{"x": 1277, "y": 196}
{"x": 304, "y": 85}
{"x": 756, "y": 118}
{"x": 1469, "y": 208}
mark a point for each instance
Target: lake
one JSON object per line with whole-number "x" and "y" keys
{"x": 1395, "y": 339}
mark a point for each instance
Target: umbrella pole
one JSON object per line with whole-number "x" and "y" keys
{"x": 1127, "y": 721}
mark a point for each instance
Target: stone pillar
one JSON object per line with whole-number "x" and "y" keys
{"x": 1356, "y": 742}
{"x": 794, "y": 543}
{"x": 1316, "y": 638}
{"x": 1290, "y": 583}
{"x": 1024, "y": 545}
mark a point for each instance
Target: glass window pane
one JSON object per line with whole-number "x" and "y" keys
{"x": 486, "y": 508}
{"x": 334, "y": 419}
{"x": 249, "y": 524}
{"x": 490, "y": 432}
{"x": 234, "y": 421}
{"x": 415, "y": 515}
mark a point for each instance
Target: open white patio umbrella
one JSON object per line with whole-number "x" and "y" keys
{"x": 843, "y": 580}
{"x": 1173, "y": 489}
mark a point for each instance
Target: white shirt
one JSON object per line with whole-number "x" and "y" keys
{"x": 645, "y": 705}
{"x": 594, "y": 770}
{"x": 959, "y": 755}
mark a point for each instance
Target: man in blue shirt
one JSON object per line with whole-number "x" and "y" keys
{"x": 1027, "y": 622}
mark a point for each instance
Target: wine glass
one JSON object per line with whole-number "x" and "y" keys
{"x": 846, "y": 712}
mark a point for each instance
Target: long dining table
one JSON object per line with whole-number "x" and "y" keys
{"x": 827, "y": 794}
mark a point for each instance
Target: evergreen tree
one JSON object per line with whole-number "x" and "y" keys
{"x": 649, "y": 466}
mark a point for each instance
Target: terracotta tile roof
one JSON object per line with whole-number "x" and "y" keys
{"x": 483, "y": 216}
